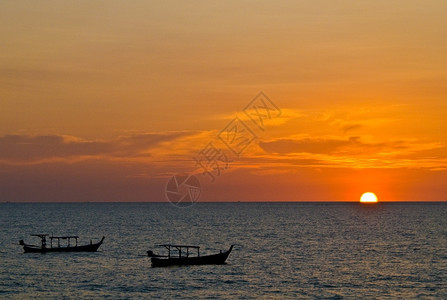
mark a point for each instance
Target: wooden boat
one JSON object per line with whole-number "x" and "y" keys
{"x": 55, "y": 244}
{"x": 184, "y": 257}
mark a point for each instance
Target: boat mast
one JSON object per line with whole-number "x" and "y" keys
{"x": 44, "y": 241}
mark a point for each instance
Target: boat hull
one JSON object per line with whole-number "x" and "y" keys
{"x": 215, "y": 259}
{"x": 83, "y": 248}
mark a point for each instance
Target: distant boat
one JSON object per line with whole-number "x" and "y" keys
{"x": 184, "y": 257}
{"x": 56, "y": 246}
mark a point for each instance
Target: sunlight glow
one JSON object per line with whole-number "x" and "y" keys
{"x": 368, "y": 198}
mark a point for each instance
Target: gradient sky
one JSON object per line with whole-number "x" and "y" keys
{"x": 105, "y": 100}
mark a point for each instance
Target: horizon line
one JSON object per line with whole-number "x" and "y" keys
{"x": 241, "y": 201}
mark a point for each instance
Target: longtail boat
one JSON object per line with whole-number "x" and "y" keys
{"x": 70, "y": 244}
{"x": 184, "y": 256}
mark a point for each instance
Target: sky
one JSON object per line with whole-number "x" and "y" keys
{"x": 107, "y": 100}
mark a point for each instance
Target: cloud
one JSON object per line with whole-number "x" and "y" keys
{"x": 285, "y": 115}
{"x": 353, "y": 145}
{"x": 348, "y": 127}
{"x": 357, "y": 152}
{"x": 309, "y": 145}
{"x": 27, "y": 76}
{"x": 32, "y": 149}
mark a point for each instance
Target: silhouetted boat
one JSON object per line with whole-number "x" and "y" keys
{"x": 55, "y": 244}
{"x": 184, "y": 258}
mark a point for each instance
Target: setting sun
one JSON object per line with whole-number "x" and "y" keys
{"x": 368, "y": 198}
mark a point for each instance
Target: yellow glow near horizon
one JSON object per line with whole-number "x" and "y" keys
{"x": 368, "y": 198}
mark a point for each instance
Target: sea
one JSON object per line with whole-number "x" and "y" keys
{"x": 281, "y": 251}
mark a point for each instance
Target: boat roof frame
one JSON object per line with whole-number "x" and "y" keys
{"x": 179, "y": 246}
{"x": 65, "y": 237}
{"x": 56, "y": 237}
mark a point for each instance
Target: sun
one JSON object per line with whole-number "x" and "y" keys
{"x": 368, "y": 198}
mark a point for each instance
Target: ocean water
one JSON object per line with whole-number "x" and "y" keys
{"x": 282, "y": 251}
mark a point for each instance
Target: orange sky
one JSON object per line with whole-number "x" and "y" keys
{"x": 105, "y": 100}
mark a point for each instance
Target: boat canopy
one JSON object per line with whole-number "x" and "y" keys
{"x": 42, "y": 235}
{"x": 58, "y": 238}
{"x": 180, "y": 246}
{"x": 65, "y": 237}
{"x": 179, "y": 249}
